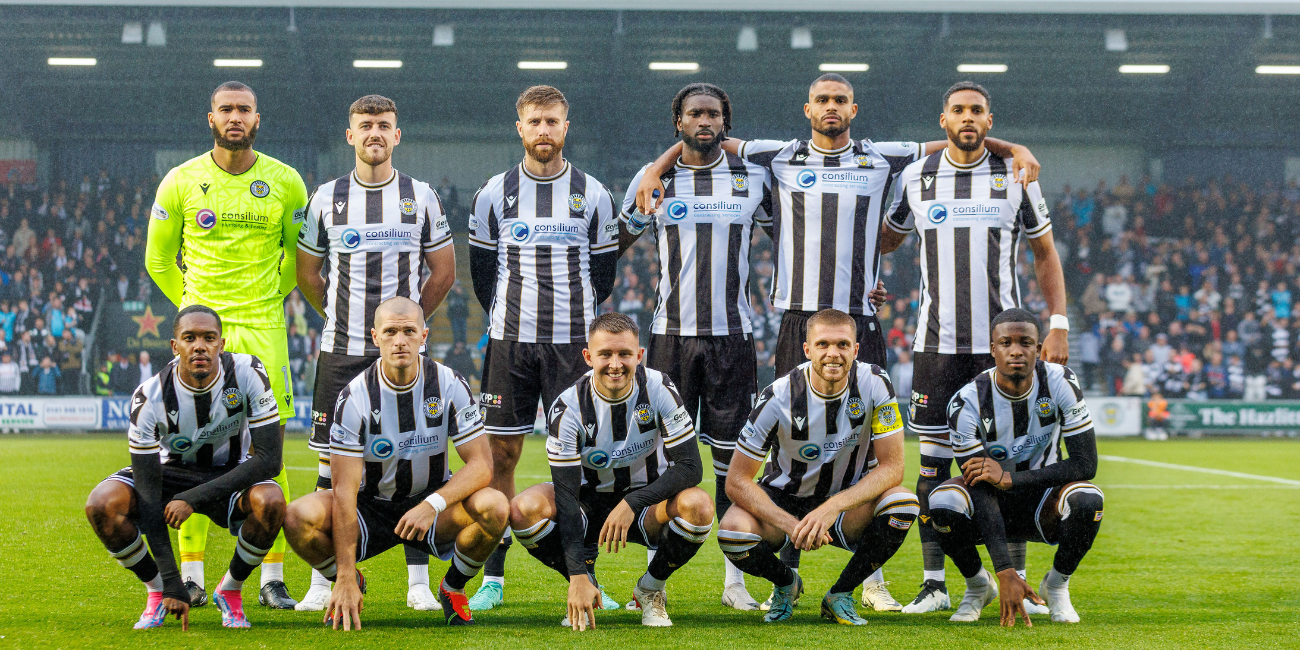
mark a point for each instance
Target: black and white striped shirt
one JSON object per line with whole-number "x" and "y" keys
{"x": 404, "y": 432}
{"x": 1022, "y": 433}
{"x": 374, "y": 238}
{"x": 703, "y": 231}
{"x": 203, "y": 429}
{"x": 544, "y": 232}
{"x": 619, "y": 445}
{"x": 827, "y": 217}
{"x": 823, "y": 443}
{"x": 970, "y": 224}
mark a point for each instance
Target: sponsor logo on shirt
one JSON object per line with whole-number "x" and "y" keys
{"x": 806, "y": 179}
{"x": 181, "y": 444}
{"x": 381, "y": 448}
{"x": 206, "y": 219}
{"x": 597, "y": 458}
{"x": 938, "y": 213}
{"x": 810, "y": 452}
{"x": 965, "y": 212}
{"x": 159, "y": 213}
{"x": 677, "y": 210}
{"x": 519, "y": 230}
{"x": 350, "y": 238}
{"x": 418, "y": 442}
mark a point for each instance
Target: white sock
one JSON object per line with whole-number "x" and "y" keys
{"x": 1057, "y": 580}
{"x": 417, "y": 574}
{"x": 155, "y": 585}
{"x": 1021, "y": 573}
{"x": 318, "y": 580}
{"x": 979, "y": 581}
{"x": 649, "y": 556}
{"x": 937, "y": 576}
{"x": 649, "y": 583}
{"x": 878, "y": 576}
{"x": 230, "y": 584}
{"x": 734, "y": 576}
{"x": 271, "y": 572}
{"x": 500, "y": 580}
{"x": 192, "y": 572}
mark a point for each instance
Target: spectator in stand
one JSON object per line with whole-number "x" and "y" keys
{"x": 121, "y": 377}
{"x": 70, "y": 352}
{"x": 47, "y": 377}
{"x": 143, "y": 368}
{"x": 1089, "y": 356}
{"x": 1281, "y": 300}
{"x": 458, "y": 358}
{"x": 1135, "y": 379}
{"x": 1119, "y": 295}
{"x": 1216, "y": 377}
{"x": 27, "y": 361}
{"x": 457, "y": 311}
{"x": 11, "y": 375}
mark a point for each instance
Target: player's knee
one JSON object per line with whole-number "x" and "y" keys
{"x": 950, "y": 505}
{"x": 105, "y": 504}
{"x": 491, "y": 510}
{"x": 739, "y": 520}
{"x": 527, "y": 508}
{"x": 304, "y": 515}
{"x": 267, "y": 504}
{"x": 1082, "y": 500}
{"x": 695, "y": 506}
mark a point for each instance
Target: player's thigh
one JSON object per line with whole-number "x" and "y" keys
{"x": 559, "y": 366}
{"x": 314, "y": 510}
{"x": 871, "y": 341}
{"x": 690, "y": 504}
{"x": 333, "y": 373}
{"x": 738, "y": 519}
{"x": 789, "y": 342}
{"x": 666, "y": 354}
{"x": 1054, "y": 508}
{"x": 728, "y": 389}
{"x": 271, "y": 346}
{"x": 510, "y": 389}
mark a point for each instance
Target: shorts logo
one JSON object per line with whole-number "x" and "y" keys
{"x": 900, "y": 524}
{"x": 317, "y": 417}
{"x": 643, "y": 414}
{"x": 577, "y": 203}
{"x": 938, "y": 212}
{"x": 432, "y": 407}
{"x": 1097, "y": 517}
{"x": 181, "y": 445}
{"x": 998, "y": 452}
{"x": 855, "y": 407}
{"x": 740, "y": 182}
{"x": 806, "y": 178}
{"x": 519, "y": 231}
{"x": 887, "y": 415}
{"x": 919, "y": 399}
{"x": 406, "y": 206}
{"x": 1045, "y": 407}
{"x": 998, "y": 182}
{"x": 350, "y": 238}
{"x": 598, "y": 458}
{"x": 489, "y": 400}
{"x": 863, "y": 160}
{"x": 677, "y": 210}
{"x": 259, "y": 189}
{"x": 929, "y": 472}
{"x": 206, "y": 219}
{"x": 810, "y": 452}
{"x": 231, "y": 397}
{"x": 381, "y": 448}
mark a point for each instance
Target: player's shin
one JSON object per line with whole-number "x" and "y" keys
{"x": 135, "y": 557}
{"x": 882, "y": 538}
{"x": 417, "y": 566}
{"x": 1081, "y": 512}
{"x": 495, "y": 568}
{"x": 462, "y": 568}
{"x": 679, "y": 541}
{"x": 193, "y": 541}
{"x": 542, "y": 541}
{"x": 950, "y": 519}
{"x": 934, "y": 471}
{"x": 754, "y": 556}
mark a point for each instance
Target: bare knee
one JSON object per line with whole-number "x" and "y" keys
{"x": 306, "y": 515}
{"x": 490, "y": 510}
{"x": 737, "y": 519}
{"x": 529, "y": 507}
{"x": 695, "y": 506}
{"x": 108, "y": 502}
{"x": 266, "y": 503}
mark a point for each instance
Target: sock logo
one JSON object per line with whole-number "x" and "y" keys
{"x": 901, "y": 524}
{"x": 1098, "y": 517}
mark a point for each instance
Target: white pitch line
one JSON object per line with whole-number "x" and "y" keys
{"x": 1203, "y": 470}
{"x": 1138, "y": 486}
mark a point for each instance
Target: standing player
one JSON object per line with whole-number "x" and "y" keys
{"x": 392, "y": 482}
{"x": 233, "y": 216}
{"x": 380, "y": 229}
{"x": 701, "y": 328}
{"x": 1013, "y": 447}
{"x": 971, "y": 218}
{"x": 831, "y": 193}
{"x": 543, "y": 245}
{"x": 205, "y": 441}
{"x": 834, "y": 477}
{"x": 624, "y": 467}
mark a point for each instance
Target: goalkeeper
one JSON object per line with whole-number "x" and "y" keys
{"x": 233, "y": 216}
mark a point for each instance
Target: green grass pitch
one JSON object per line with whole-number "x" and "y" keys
{"x": 1174, "y": 566}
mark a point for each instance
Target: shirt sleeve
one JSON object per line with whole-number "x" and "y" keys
{"x": 899, "y": 154}
{"x": 142, "y": 436}
{"x": 564, "y": 435}
{"x": 163, "y": 242}
{"x": 437, "y": 232}
{"x": 1075, "y": 418}
{"x": 1033, "y": 215}
{"x": 294, "y": 213}
{"x": 763, "y": 214}
{"x": 347, "y": 437}
{"x": 260, "y": 400}
{"x": 965, "y": 430}
{"x": 761, "y": 152}
{"x": 313, "y": 238}
{"x": 678, "y": 427}
{"x": 760, "y": 433}
{"x": 604, "y": 222}
{"x": 900, "y": 218}
{"x": 466, "y": 421}
{"x": 885, "y": 419}
{"x": 483, "y": 226}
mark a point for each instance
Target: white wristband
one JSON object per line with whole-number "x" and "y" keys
{"x": 1058, "y": 322}
{"x": 439, "y": 504}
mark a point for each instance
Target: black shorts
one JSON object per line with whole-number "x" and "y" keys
{"x": 1028, "y": 514}
{"x": 516, "y": 375}
{"x": 377, "y": 519}
{"x": 794, "y": 331}
{"x": 799, "y": 507}
{"x": 176, "y": 480}
{"x": 716, "y": 376}
{"x": 596, "y": 507}
{"x": 935, "y": 379}
{"x": 333, "y": 373}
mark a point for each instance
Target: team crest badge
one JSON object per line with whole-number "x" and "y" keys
{"x": 259, "y": 189}
{"x": 432, "y": 407}
{"x": 887, "y": 416}
{"x": 740, "y": 182}
{"x": 643, "y": 414}
{"x": 855, "y": 407}
{"x": 998, "y": 182}
{"x": 1044, "y": 407}
{"x": 577, "y": 203}
{"x": 406, "y": 206}
{"x": 231, "y": 397}
{"x": 863, "y": 160}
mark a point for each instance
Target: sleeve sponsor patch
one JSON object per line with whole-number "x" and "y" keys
{"x": 300, "y": 215}
{"x": 611, "y": 228}
{"x": 159, "y": 213}
{"x": 473, "y": 222}
{"x": 554, "y": 446}
{"x": 266, "y": 400}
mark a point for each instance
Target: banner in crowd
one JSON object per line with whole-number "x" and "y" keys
{"x": 27, "y": 413}
{"x": 1232, "y": 415}
{"x": 1116, "y": 416}
{"x": 134, "y": 325}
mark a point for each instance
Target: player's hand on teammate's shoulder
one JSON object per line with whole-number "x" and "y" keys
{"x": 1024, "y": 166}
{"x": 180, "y": 609}
{"x": 345, "y": 605}
{"x": 878, "y": 295}
{"x": 584, "y": 600}
{"x": 1012, "y": 592}
{"x": 415, "y": 524}
{"x": 176, "y": 513}
{"x": 613, "y": 535}
{"x": 987, "y": 470}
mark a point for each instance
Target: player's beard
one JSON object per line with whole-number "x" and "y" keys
{"x": 707, "y": 149}
{"x": 557, "y": 148}
{"x": 973, "y": 145}
{"x": 378, "y": 159}
{"x": 832, "y": 131}
{"x": 246, "y": 142}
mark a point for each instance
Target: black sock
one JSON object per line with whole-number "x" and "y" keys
{"x": 146, "y": 569}
{"x": 879, "y": 542}
{"x": 790, "y": 556}
{"x": 1078, "y": 530}
{"x": 956, "y": 535}
{"x": 549, "y": 550}
{"x": 416, "y": 557}
{"x": 761, "y": 561}
{"x": 496, "y": 563}
{"x": 720, "y": 500}
{"x": 931, "y": 551}
{"x": 461, "y": 570}
{"x": 324, "y": 483}
{"x": 247, "y": 557}
{"x": 678, "y": 543}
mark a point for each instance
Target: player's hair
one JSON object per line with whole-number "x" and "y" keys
{"x": 832, "y": 318}
{"x": 232, "y": 85}
{"x": 399, "y": 305}
{"x": 831, "y": 76}
{"x": 614, "y": 323}
{"x": 373, "y": 105}
{"x": 702, "y": 89}
{"x": 194, "y": 309}
{"x": 1017, "y": 315}
{"x": 966, "y": 85}
{"x": 541, "y": 96}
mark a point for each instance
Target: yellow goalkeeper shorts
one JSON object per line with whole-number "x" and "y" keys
{"x": 271, "y": 347}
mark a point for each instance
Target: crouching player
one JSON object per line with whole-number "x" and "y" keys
{"x": 624, "y": 467}
{"x": 205, "y": 439}
{"x": 1006, "y": 431}
{"x": 832, "y": 426}
{"x": 394, "y": 424}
